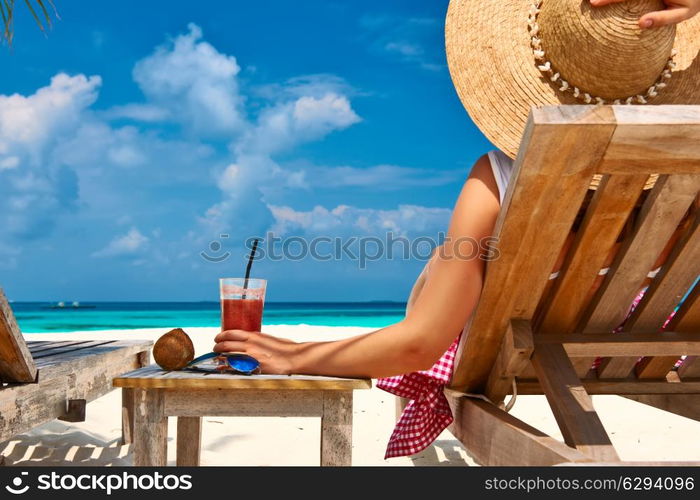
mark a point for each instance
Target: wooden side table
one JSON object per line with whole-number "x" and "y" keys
{"x": 150, "y": 395}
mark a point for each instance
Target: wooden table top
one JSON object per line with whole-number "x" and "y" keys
{"x": 153, "y": 377}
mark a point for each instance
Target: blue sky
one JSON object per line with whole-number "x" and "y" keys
{"x": 136, "y": 133}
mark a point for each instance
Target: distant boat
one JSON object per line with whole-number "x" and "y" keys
{"x": 74, "y": 305}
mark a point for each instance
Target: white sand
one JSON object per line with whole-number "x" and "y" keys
{"x": 638, "y": 432}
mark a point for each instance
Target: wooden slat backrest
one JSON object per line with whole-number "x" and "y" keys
{"x": 664, "y": 294}
{"x": 562, "y": 147}
{"x": 603, "y": 222}
{"x": 661, "y": 214}
{"x": 16, "y": 363}
{"x": 659, "y": 139}
{"x": 671, "y": 284}
{"x": 550, "y": 179}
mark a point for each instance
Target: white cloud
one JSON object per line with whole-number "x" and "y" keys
{"x": 195, "y": 83}
{"x": 35, "y": 189}
{"x": 190, "y": 81}
{"x": 405, "y": 49}
{"x": 132, "y": 243}
{"x": 138, "y": 112}
{"x": 31, "y": 200}
{"x": 278, "y": 129}
{"x": 9, "y": 162}
{"x": 412, "y": 52}
{"x": 29, "y": 124}
{"x": 95, "y": 145}
{"x": 379, "y": 177}
{"x": 317, "y": 117}
{"x": 243, "y": 210}
{"x": 290, "y": 123}
{"x": 126, "y": 155}
{"x": 348, "y": 220}
{"x": 58, "y": 155}
{"x": 316, "y": 85}
{"x": 230, "y": 179}
{"x": 406, "y": 39}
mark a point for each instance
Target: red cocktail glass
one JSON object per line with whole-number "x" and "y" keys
{"x": 242, "y": 303}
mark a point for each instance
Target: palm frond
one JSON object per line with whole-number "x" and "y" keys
{"x": 39, "y": 9}
{"x": 7, "y": 8}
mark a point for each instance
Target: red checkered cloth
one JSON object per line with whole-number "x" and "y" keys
{"x": 428, "y": 413}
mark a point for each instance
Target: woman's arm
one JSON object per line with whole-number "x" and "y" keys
{"x": 441, "y": 310}
{"x": 676, "y": 11}
{"x": 420, "y": 283}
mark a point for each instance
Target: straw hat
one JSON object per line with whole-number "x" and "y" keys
{"x": 506, "y": 56}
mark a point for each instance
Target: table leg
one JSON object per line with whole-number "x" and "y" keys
{"x": 150, "y": 432}
{"x": 189, "y": 441}
{"x": 127, "y": 415}
{"x": 336, "y": 429}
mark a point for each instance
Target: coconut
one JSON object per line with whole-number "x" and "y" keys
{"x": 174, "y": 350}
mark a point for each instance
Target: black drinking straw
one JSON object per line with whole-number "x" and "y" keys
{"x": 250, "y": 264}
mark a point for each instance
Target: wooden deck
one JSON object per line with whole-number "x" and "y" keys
{"x": 68, "y": 375}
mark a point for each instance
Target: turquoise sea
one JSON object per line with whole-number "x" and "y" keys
{"x": 42, "y": 317}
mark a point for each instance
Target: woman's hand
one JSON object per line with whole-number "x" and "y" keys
{"x": 675, "y": 12}
{"x": 276, "y": 355}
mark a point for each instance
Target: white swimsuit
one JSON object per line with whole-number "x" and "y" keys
{"x": 502, "y": 167}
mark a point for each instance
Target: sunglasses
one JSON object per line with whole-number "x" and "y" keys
{"x": 218, "y": 362}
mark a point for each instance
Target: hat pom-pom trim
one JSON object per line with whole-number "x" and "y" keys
{"x": 555, "y": 77}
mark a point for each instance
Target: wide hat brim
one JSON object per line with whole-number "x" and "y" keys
{"x": 493, "y": 68}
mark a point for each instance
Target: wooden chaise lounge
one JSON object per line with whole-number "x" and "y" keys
{"x": 43, "y": 380}
{"x": 546, "y": 338}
